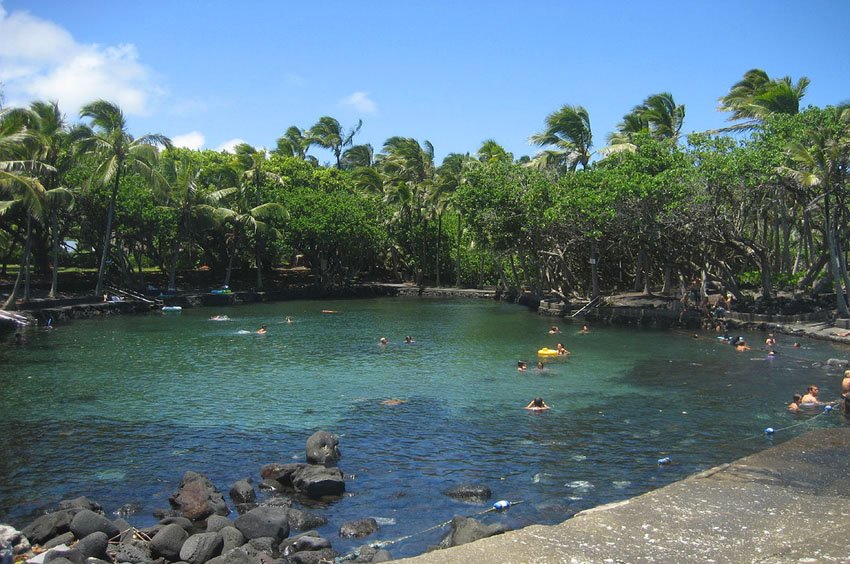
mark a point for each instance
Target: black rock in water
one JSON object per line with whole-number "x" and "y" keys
{"x": 470, "y": 492}
{"x": 197, "y": 498}
{"x": 464, "y": 530}
{"x": 243, "y": 492}
{"x": 264, "y": 522}
{"x": 304, "y": 520}
{"x": 358, "y": 528}
{"x": 323, "y": 449}
{"x": 81, "y": 502}
{"x": 318, "y": 481}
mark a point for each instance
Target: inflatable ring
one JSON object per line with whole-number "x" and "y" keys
{"x": 545, "y": 351}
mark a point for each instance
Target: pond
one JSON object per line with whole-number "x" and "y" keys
{"x": 118, "y": 409}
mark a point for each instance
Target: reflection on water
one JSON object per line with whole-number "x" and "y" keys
{"x": 118, "y": 409}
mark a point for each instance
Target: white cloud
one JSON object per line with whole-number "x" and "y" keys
{"x": 228, "y": 146}
{"x": 360, "y": 101}
{"x": 40, "y": 60}
{"x": 192, "y": 140}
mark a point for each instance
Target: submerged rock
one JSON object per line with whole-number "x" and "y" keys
{"x": 358, "y": 528}
{"x": 470, "y": 492}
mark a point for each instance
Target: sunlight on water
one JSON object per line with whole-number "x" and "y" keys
{"x": 123, "y": 406}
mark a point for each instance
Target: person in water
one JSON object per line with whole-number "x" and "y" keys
{"x": 540, "y": 365}
{"x": 794, "y": 406}
{"x": 554, "y": 330}
{"x": 770, "y": 341}
{"x": 561, "y": 350}
{"x": 741, "y": 345}
{"x": 288, "y": 319}
{"x": 521, "y": 365}
{"x": 537, "y": 404}
{"x": 384, "y": 341}
{"x": 845, "y": 384}
{"x": 408, "y": 339}
{"x": 261, "y": 330}
{"x": 811, "y": 396}
{"x": 585, "y": 329}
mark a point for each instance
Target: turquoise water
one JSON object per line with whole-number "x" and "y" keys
{"x": 118, "y": 409}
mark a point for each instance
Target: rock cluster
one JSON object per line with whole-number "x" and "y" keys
{"x": 197, "y": 528}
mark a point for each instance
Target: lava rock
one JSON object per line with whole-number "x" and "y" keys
{"x": 243, "y": 492}
{"x": 368, "y": 554}
{"x": 314, "y": 556}
{"x": 358, "y": 528}
{"x": 187, "y": 525}
{"x": 48, "y": 526}
{"x": 234, "y": 556}
{"x": 87, "y": 522}
{"x": 81, "y": 502}
{"x": 280, "y": 473}
{"x": 64, "y": 538}
{"x": 319, "y": 481}
{"x": 233, "y": 538}
{"x": 133, "y": 551}
{"x": 197, "y": 498}
{"x": 264, "y": 522}
{"x": 323, "y": 449}
{"x": 464, "y": 530}
{"x": 72, "y": 554}
{"x": 168, "y": 541}
{"x": 201, "y": 547}
{"x": 215, "y": 523}
{"x": 470, "y": 492}
{"x": 267, "y": 545}
{"x": 305, "y": 542}
{"x": 93, "y": 545}
{"x": 304, "y": 520}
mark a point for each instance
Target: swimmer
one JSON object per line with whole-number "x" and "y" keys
{"x": 741, "y": 345}
{"x": 393, "y": 401}
{"x": 770, "y": 341}
{"x": 796, "y": 345}
{"x": 812, "y": 396}
{"x": 288, "y": 319}
{"x": 771, "y": 353}
{"x": 540, "y": 365}
{"x": 562, "y": 351}
{"x": 585, "y": 329}
{"x": 219, "y": 318}
{"x": 537, "y": 404}
{"x": 521, "y": 365}
{"x": 845, "y": 384}
{"x": 554, "y": 330}
{"x": 384, "y": 341}
{"x": 794, "y": 406}
{"x": 408, "y": 339}
{"x": 261, "y": 330}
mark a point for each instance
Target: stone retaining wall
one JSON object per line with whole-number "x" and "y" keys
{"x": 824, "y": 315}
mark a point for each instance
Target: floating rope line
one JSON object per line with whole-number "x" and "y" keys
{"x": 498, "y": 506}
{"x": 827, "y": 408}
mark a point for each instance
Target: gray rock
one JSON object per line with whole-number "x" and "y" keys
{"x": 233, "y": 538}
{"x": 323, "y": 449}
{"x": 280, "y": 473}
{"x": 464, "y": 530}
{"x": 64, "y": 538}
{"x": 87, "y": 522}
{"x": 317, "y": 481}
{"x": 234, "y": 556}
{"x": 94, "y": 545}
{"x": 71, "y": 554}
{"x": 197, "y": 498}
{"x": 314, "y": 556}
{"x": 168, "y": 541}
{"x": 840, "y": 362}
{"x": 368, "y": 553}
{"x": 264, "y": 522}
{"x": 187, "y": 525}
{"x": 48, "y": 526}
{"x": 97, "y": 561}
{"x": 133, "y": 551}
{"x": 81, "y": 502}
{"x": 304, "y": 520}
{"x": 470, "y": 492}
{"x": 307, "y": 542}
{"x": 123, "y": 525}
{"x": 358, "y": 528}
{"x": 277, "y": 501}
{"x": 201, "y": 547}
{"x": 215, "y": 523}
{"x": 60, "y": 560}
{"x": 267, "y": 545}
{"x": 243, "y": 492}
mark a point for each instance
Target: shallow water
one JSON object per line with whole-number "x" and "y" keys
{"x": 118, "y": 409}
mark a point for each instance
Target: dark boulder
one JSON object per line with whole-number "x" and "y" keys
{"x": 124, "y": 526}
{"x": 264, "y": 522}
{"x": 304, "y": 520}
{"x": 366, "y": 554}
{"x": 314, "y": 556}
{"x": 64, "y": 538}
{"x": 243, "y": 492}
{"x": 201, "y": 547}
{"x": 280, "y": 473}
{"x": 168, "y": 541}
{"x": 131, "y": 550}
{"x": 56, "y": 559}
{"x": 48, "y": 526}
{"x": 470, "y": 492}
{"x": 266, "y": 545}
{"x": 81, "y": 502}
{"x": 197, "y": 498}
{"x": 233, "y": 538}
{"x": 323, "y": 449}
{"x": 187, "y": 525}
{"x": 301, "y": 543}
{"x": 215, "y": 523}
{"x": 87, "y": 522}
{"x": 234, "y": 556}
{"x": 358, "y": 528}
{"x": 71, "y": 554}
{"x": 464, "y": 530}
{"x": 319, "y": 481}
{"x": 94, "y": 545}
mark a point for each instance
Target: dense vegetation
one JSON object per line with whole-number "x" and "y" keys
{"x": 760, "y": 204}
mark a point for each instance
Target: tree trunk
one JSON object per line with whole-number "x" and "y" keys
{"x": 107, "y": 237}
{"x": 27, "y": 259}
{"x": 24, "y": 260}
{"x": 54, "y": 283}
{"x": 594, "y": 269}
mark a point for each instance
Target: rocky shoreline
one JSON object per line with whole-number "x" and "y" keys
{"x": 197, "y": 529}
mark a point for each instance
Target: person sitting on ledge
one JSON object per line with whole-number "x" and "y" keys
{"x": 537, "y": 404}
{"x": 842, "y": 334}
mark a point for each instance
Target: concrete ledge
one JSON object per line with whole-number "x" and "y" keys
{"x": 788, "y": 503}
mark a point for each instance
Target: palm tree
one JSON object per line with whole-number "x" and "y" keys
{"x": 116, "y": 153}
{"x": 293, "y": 143}
{"x": 823, "y": 162}
{"x": 756, "y": 97}
{"x": 358, "y": 156}
{"x": 568, "y": 130}
{"x": 328, "y": 133}
{"x": 17, "y": 183}
{"x": 491, "y": 152}
{"x": 451, "y": 175}
{"x": 658, "y": 115}
{"x": 180, "y": 191}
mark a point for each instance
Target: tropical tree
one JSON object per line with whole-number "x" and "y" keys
{"x": 491, "y": 152}
{"x": 115, "y": 152}
{"x": 568, "y": 131}
{"x": 358, "y": 156}
{"x": 328, "y": 133}
{"x": 658, "y": 115}
{"x": 756, "y": 96}
{"x": 293, "y": 143}
{"x": 452, "y": 175}
{"x": 180, "y": 192}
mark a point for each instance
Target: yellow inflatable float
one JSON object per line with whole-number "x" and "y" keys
{"x": 545, "y": 351}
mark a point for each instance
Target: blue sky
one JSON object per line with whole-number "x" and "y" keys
{"x": 207, "y": 73}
